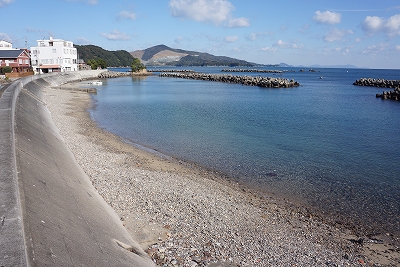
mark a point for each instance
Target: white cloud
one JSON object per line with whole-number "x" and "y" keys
{"x": 116, "y": 35}
{"x": 357, "y": 40}
{"x": 373, "y": 24}
{"x": 334, "y": 35}
{"x": 392, "y": 25}
{"x": 292, "y": 45}
{"x": 240, "y": 22}
{"x": 179, "y": 39}
{"x": 82, "y": 41}
{"x": 214, "y": 11}
{"x": 256, "y": 35}
{"x": 397, "y": 47}
{"x": 231, "y": 39}
{"x": 342, "y": 50}
{"x": 304, "y": 29}
{"x": 126, "y": 15}
{"x": 373, "y": 49}
{"x": 5, "y": 2}
{"x": 327, "y": 17}
{"x": 90, "y": 2}
{"x": 281, "y": 44}
{"x": 268, "y": 49}
{"x": 252, "y": 36}
{"x": 5, "y": 37}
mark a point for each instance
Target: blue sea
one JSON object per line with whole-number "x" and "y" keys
{"x": 327, "y": 144}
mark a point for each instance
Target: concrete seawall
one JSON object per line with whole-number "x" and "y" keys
{"x": 50, "y": 214}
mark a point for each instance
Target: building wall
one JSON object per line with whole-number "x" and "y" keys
{"x": 20, "y": 65}
{"x": 55, "y": 52}
{"x": 4, "y": 45}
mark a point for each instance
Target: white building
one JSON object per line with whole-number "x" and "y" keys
{"x": 54, "y": 55}
{"x": 4, "y": 45}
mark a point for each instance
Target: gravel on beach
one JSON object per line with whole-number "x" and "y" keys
{"x": 185, "y": 216}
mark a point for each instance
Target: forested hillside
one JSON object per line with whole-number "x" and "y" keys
{"x": 204, "y": 59}
{"x": 119, "y": 58}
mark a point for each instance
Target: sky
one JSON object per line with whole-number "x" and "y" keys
{"x": 364, "y": 33}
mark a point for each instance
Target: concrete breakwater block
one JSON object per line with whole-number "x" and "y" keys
{"x": 266, "y": 82}
{"x": 393, "y": 94}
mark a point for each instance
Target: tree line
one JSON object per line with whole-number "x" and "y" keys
{"x": 97, "y": 57}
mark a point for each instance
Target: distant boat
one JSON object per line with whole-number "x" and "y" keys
{"x": 320, "y": 77}
{"x": 96, "y": 83}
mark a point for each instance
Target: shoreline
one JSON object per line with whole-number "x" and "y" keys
{"x": 184, "y": 216}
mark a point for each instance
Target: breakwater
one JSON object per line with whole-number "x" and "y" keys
{"x": 252, "y": 70}
{"x": 378, "y": 83}
{"x": 113, "y": 74}
{"x": 155, "y": 70}
{"x": 393, "y": 94}
{"x": 267, "y": 82}
{"x": 117, "y": 74}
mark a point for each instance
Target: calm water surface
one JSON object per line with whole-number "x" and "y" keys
{"x": 327, "y": 143}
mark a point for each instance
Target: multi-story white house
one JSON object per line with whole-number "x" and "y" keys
{"x": 4, "y": 45}
{"x": 54, "y": 55}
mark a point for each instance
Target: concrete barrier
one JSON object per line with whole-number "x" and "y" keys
{"x": 50, "y": 214}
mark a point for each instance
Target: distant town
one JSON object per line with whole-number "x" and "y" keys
{"x": 52, "y": 55}
{"x": 57, "y": 55}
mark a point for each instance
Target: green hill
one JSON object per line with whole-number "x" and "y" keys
{"x": 119, "y": 58}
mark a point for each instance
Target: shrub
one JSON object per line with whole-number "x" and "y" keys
{"x": 137, "y": 65}
{"x": 7, "y": 69}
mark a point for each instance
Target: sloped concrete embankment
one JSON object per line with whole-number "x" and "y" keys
{"x": 50, "y": 213}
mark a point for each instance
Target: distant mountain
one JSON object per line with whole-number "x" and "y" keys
{"x": 119, "y": 58}
{"x": 348, "y": 66}
{"x": 284, "y": 65}
{"x": 164, "y": 55}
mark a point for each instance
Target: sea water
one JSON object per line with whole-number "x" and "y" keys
{"x": 329, "y": 144}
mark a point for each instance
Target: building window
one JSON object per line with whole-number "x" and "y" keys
{"x": 19, "y": 61}
{"x": 54, "y": 50}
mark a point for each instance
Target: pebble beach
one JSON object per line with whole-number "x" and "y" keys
{"x": 183, "y": 215}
